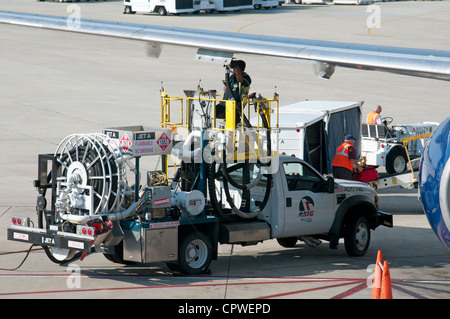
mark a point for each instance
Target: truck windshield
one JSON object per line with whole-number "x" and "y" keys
{"x": 237, "y": 173}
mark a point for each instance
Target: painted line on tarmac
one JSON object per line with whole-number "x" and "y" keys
{"x": 408, "y": 292}
{"x": 420, "y": 285}
{"x": 351, "y": 291}
{"x": 361, "y": 284}
{"x": 270, "y": 281}
{"x": 311, "y": 289}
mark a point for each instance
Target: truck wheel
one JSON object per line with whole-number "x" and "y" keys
{"x": 396, "y": 161}
{"x": 194, "y": 254}
{"x": 162, "y": 11}
{"x": 357, "y": 236}
{"x": 287, "y": 242}
{"x": 128, "y": 10}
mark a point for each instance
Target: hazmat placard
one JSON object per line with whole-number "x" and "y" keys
{"x": 141, "y": 140}
{"x": 144, "y": 144}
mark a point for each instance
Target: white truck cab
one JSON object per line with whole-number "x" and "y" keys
{"x": 307, "y": 205}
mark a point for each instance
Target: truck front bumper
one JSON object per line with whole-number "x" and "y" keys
{"x": 385, "y": 219}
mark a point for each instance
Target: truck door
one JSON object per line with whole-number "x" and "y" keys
{"x": 141, "y": 5}
{"x": 309, "y": 208}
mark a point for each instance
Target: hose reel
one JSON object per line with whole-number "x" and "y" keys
{"x": 92, "y": 177}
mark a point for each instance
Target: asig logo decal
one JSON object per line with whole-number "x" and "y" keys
{"x": 306, "y": 208}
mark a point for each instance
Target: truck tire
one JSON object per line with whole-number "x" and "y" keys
{"x": 162, "y": 11}
{"x": 357, "y": 236}
{"x": 396, "y": 161}
{"x": 128, "y": 10}
{"x": 194, "y": 254}
{"x": 287, "y": 242}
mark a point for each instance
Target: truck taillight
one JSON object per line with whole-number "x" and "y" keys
{"x": 85, "y": 230}
{"x": 20, "y": 221}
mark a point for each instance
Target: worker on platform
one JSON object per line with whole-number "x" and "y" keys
{"x": 345, "y": 159}
{"x": 375, "y": 116}
{"x": 235, "y": 86}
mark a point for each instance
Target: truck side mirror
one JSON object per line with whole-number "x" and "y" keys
{"x": 330, "y": 185}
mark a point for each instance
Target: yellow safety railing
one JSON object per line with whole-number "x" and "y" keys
{"x": 175, "y": 113}
{"x": 405, "y": 142}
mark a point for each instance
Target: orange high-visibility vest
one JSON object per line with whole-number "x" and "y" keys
{"x": 372, "y": 117}
{"x": 341, "y": 158}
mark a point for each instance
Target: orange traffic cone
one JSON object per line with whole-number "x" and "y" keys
{"x": 376, "y": 287}
{"x": 386, "y": 289}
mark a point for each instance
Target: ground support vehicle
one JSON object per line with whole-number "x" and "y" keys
{"x": 233, "y": 5}
{"x": 408, "y": 179}
{"x": 204, "y": 5}
{"x": 266, "y": 4}
{"x": 161, "y": 7}
{"x": 312, "y": 130}
{"x": 312, "y": 1}
{"x": 65, "y": 0}
{"x": 230, "y": 187}
{"x": 383, "y": 146}
{"x": 357, "y": 2}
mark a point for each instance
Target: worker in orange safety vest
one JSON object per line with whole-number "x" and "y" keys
{"x": 375, "y": 117}
{"x": 345, "y": 159}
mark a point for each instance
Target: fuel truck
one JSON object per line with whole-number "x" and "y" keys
{"x": 222, "y": 181}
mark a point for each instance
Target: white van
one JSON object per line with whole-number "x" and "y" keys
{"x": 162, "y": 7}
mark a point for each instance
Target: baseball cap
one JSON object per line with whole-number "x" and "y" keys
{"x": 350, "y": 137}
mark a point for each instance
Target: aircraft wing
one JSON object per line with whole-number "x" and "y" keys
{"x": 431, "y": 64}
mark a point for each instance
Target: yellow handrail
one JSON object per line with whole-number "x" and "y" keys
{"x": 405, "y": 142}
{"x": 231, "y": 123}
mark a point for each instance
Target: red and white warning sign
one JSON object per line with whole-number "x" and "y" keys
{"x": 163, "y": 141}
{"x": 162, "y": 201}
{"x": 125, "y": 142}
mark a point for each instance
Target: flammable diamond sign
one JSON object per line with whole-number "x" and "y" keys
{"x": 163, "y": 142}
{"x": 125, "y": 142}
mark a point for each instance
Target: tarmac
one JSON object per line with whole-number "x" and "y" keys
{"x": 53, "y": 84}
